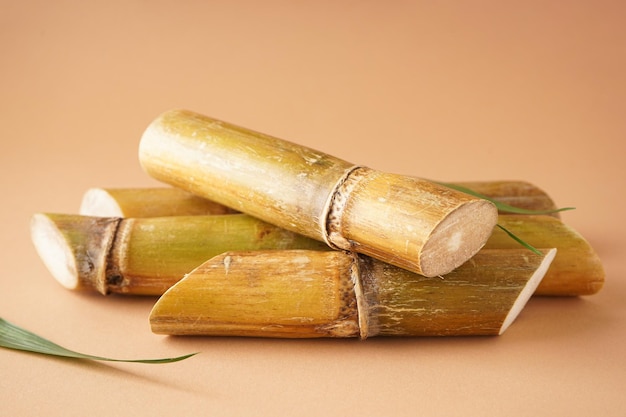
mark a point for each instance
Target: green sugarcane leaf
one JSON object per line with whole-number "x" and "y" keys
{"x": 15, "y": 337}
{"x": 501, "y": 206}
{"x": 507, "y": 209}
{"x": 520, "y": 241}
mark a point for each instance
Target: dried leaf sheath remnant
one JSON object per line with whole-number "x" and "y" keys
{"x": 303, "y": 294}
{"x": 401, "y": 220}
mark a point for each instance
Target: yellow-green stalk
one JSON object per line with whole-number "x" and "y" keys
{"x": 576, "y": 270}
{"x": 146, "y": 256}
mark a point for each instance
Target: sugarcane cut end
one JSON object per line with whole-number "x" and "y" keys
{"x": 75, "y": 248}
{"x": 98, "y": 202}
{"x": 458, "y": 237}
{"x": 528, "y": 290}
{"x": 54, "y": 251}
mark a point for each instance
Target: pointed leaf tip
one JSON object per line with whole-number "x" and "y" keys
{"x": 15, "y": 337}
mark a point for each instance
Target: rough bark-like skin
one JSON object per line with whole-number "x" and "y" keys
{"x": 475, "y": 299}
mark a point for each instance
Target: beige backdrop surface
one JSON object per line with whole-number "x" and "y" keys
{"x": 448, "y": 90}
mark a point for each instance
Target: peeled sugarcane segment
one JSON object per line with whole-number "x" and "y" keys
{"x": 409, "y": 222}
{"x": 146, "y": 256}
{"x": 309, "y": 294}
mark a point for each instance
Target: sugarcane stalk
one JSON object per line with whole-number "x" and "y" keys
{"x": 520, "y": 194}
{"x": 146, "y": 256}
{"x": 309, "y": 294}
{"x": 152, "y": 254}
{"x": 576, "y": 269}
{"x": 147, "y": 202}
{"x": 171, "y": 201}
{"x": 410, "y": 222}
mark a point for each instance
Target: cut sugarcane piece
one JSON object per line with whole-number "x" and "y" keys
{"x": 172, "y": 201}
{"x": 147, "y": 202}
{"x": 151, "y": 255}
{"x": 520, "y": 194}
{"x": 146, "y": 256}
{"x": 576, "y": 270}
{"x": 410, "y": 222}
{"x": 308, "y": 294}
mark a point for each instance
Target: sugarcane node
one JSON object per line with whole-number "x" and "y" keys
{"x": 75, "y": 249}
{"x": 332, "y": 214}
{"x": 114, "y": 280}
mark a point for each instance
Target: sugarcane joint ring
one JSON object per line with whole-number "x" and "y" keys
{"x": 332, "y": 215}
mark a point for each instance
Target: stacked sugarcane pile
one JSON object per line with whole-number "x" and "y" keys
{"x": 261, "y": 237}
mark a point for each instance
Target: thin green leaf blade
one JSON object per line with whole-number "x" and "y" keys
{"x": 15, "y": 337}
{"x": 520, "y": 241}
{"x": 502, "y": 206}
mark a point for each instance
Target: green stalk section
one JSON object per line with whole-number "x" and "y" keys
{"x": 147, "y": 256}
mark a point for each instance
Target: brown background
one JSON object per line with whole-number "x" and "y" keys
{"x": 479, "y": 90}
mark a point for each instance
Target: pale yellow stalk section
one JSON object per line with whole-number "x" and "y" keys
{"x": 412, "y": 223}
